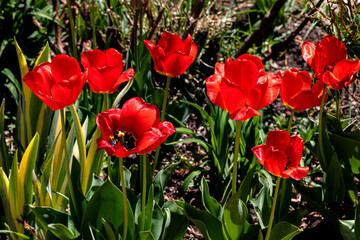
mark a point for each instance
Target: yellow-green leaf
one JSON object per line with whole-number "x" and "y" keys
{"x": 44, "y": 55}
{"x": 27, "y": 165}
{"x": 4, "y": 193}
{"x": 21, "y": 59}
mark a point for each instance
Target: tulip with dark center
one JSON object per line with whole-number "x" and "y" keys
{"x": 136, "y": 128}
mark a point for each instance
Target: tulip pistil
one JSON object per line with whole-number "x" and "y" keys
{"x": 126, "y": 139}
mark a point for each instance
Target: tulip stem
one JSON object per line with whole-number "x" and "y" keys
{"x": 163, "y": 109}
{"x": 121, "y": 165}
{"x": 320, "y": 128}
{"x": 290, "y": 121}
{"x": 162, "y": 118}
{"x": 143, "y": 194}
{"x": 67, "y": 162}
{"x": 235, "y": 157}
{"x": 72, "y": 30}
{"x": 337, "y": 102}
{"x": 273, "y": 208}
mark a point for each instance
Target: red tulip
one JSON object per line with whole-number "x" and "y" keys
{"x": 281, "y": 155}
{"x": 328, "y": 60}
{"x": 59, "y": 83}
{"x": 172, "y": 56}
{"x": 136, "y": 128}
{"x": 105, "y": 70}
{"x": 295, "y": 90}
{"x": 241, "y": 87}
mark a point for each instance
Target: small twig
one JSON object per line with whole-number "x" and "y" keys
{"x": 283, "y": 45}
{"x": 156, "y": 23}
{"x": 266, "y": 22}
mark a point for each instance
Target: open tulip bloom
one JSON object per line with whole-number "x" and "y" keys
{"x": 59, "y": 83}
{"x": 172, "y": 56}
{"x": 281, "y": 155}
{"x": 328, "y": 60}
{"x": 105, "y": 70}
{"x": 241, "y": 88}
{"x": 136, "y": 128}
{"x": 295, "y": 90}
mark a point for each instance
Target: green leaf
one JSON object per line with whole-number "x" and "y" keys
{"x": 334, "y": 182}
{"x": 328, "y": 149}
{"x": 262, "y": 203}
{"x": 157, "y": 221}
{"x": 210, "y": 204}
{"x": 146, "y": 235}
{"x": 246, "y": 184}
{"x": 177, "y": 226}
{"x": 160, "y": 182}
{"x": 234, "y": 217}
{"x": 149, "y": 208}
{"x": 206, "y": 117}
{"x": 209, "y": 226}
{"x": 193, "y": 174}
{"x": 284, "y": 231}
{"x": 62, "y": 232}
{"x": 346, "y": 228}
{"x": 193, "y": 140}
{"x": 107, "y": 202}
{"x": 16, "y": 233}
{"x": 4, "y": 155}
{"x": 112, "y": 233}
{"x": 348, "y": 150}
{"x": 46, "y": 215}
{"x": 357, "y": 221}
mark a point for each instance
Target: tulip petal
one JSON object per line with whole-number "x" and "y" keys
{"x": 138, "y": 117}
{"x": 64, "y": 67}
{"x": 176, "y": 63}
{"x": 334, "y": 50}
{"x": 275, "y": 161}
{"x": 296, "y": 173}
{"x": 95, "y": 80}
{"x": 124, "y": 77}
{"x": 278, "y": 140}
{"x": 308, "y": 53}
{"x": 154, "y": 137}
{"x": 345, "y": 69}
{"x": 260, "y": 153}
{"x": 243, "y": 73}
{"x": 122, "y": 152}
{"x": 102, "y": 144}
{"x": 295, "y": 151}
{"x": 114, "y": 58}
{"x": 104, "y": 122}
{"x": 244, "y": 113}
{"x": 254, "y": 59}
{"x": 94, "y": 58}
